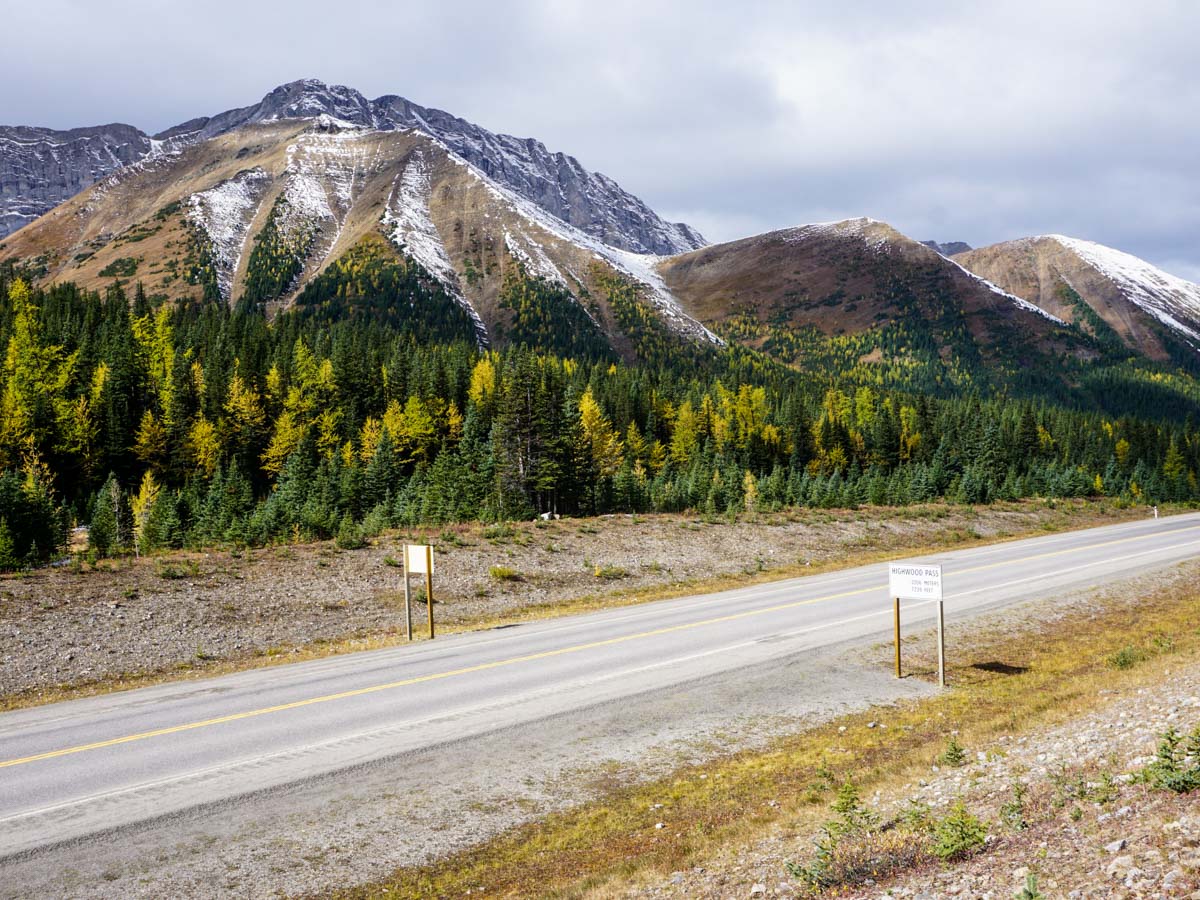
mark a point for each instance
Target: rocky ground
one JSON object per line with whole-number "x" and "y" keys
{"x": 1091, "y": 830}
{"x": 73, "y": 625}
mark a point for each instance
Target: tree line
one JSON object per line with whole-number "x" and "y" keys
{"x": 193, "y": 424}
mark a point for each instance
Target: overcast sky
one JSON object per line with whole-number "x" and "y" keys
{"x": 956, "y": 121}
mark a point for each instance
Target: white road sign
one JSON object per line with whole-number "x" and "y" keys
{"x": 910, "y": 581}
{"x": 415, "y": 559}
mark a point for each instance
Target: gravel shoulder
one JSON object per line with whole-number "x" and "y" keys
{"x": 74, "y": 629}
{"x": 1084, "y": 839}
{"x": 1091, "y": 829}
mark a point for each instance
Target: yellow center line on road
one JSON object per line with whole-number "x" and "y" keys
{"x": 532, "y": 657}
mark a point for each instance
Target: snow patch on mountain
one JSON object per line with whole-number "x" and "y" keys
{"x": 1164, "y": 296}
{"x": 534, "y": 257}
{"x": 224, "y": 214}
{"x": 409, "y": 224}
{"x": 325, "y": 167}
{"x": 865, "y": 229}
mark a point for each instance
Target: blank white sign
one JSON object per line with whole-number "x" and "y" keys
{"x": 915, "y": 581}
{"x": 415, "y": 558}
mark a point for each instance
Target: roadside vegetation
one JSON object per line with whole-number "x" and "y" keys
{"x": 806, "y": 792}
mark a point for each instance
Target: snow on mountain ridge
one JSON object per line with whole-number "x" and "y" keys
{"x": 1161, "y": 294}
{"x": 640, "y": 267}
{"x": 409, "y": 223}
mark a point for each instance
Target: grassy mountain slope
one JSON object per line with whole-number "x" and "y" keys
{"x": 864, "y": 291}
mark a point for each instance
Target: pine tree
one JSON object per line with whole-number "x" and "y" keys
{"x": 104, "y": 535}
{"x": 8, "y": 550}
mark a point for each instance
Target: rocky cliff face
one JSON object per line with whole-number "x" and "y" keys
{"x": 41, "y": 168}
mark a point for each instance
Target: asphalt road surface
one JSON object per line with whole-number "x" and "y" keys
{"x": 78, "y": 769}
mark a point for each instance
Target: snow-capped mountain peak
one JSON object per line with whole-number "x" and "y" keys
{"x": 35, "y": 176}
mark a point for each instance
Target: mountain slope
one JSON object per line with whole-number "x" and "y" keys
{"x": 857, "y": 277}
{"x": 36, "y": 174}
{"x": 1104, "y": 290}
{"x": 301, "y": 211}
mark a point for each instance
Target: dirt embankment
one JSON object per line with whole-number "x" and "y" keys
{"x": 74, "y": 628}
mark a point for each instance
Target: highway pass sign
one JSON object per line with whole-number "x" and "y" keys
{"x": 915, "y": 581}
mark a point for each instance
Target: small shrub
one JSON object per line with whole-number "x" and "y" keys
{"x": 502, "y": 531}
{"x": 917, "y": 817}
{"x": 1107, "y": 791}
{"x": 954, "y": 755}
{"x": 1012, "y": 811}
{"x": 1127, "y": 657}
{"x": 1176, "y": 765}
{"x": 959, "y": 834}
{"x": 504, "y": 573}
{"x": 854, "y": 850}
{"x": 350, "y": 535}
{"x": 1029, "y": 891}
{"x": 172, "y": 572}
{"x": 609, "y": 573}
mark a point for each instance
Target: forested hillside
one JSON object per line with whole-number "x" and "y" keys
{"x": 194, "y": 423}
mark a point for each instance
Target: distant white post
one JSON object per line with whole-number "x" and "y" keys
{"x": 919, "y": 581}
{"x": 418, "y": 559}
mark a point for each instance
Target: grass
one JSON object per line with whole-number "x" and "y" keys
{"x": 1080, "y": 516}
{"x": 603, "y": 847}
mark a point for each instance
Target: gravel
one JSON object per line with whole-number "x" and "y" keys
{"x": 72, "y": 626}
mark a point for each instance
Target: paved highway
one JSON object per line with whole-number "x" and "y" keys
{"x": 79, "y": 768}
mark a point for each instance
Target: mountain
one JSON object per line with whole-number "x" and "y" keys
{"x": 320, "y": 212}
{"x": 1109, "y": 293}
{"x": 856, "y": 277}
{"x": 319, "y": 199}
{"x": 40, "y": 168}
{"x": 949, "y": 248}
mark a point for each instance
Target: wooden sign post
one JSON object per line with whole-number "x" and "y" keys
{"x": 418, "y": 559}
{"x": 918, "y": 582}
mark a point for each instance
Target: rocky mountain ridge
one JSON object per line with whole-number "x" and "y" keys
{"x": 949, "y": 248}
{"x": 40, "y": 168}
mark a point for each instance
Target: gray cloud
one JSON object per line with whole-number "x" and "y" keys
{"x": 977, "y": 122}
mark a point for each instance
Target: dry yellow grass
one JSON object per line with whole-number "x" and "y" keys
{"x": 1044, "y": 676}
